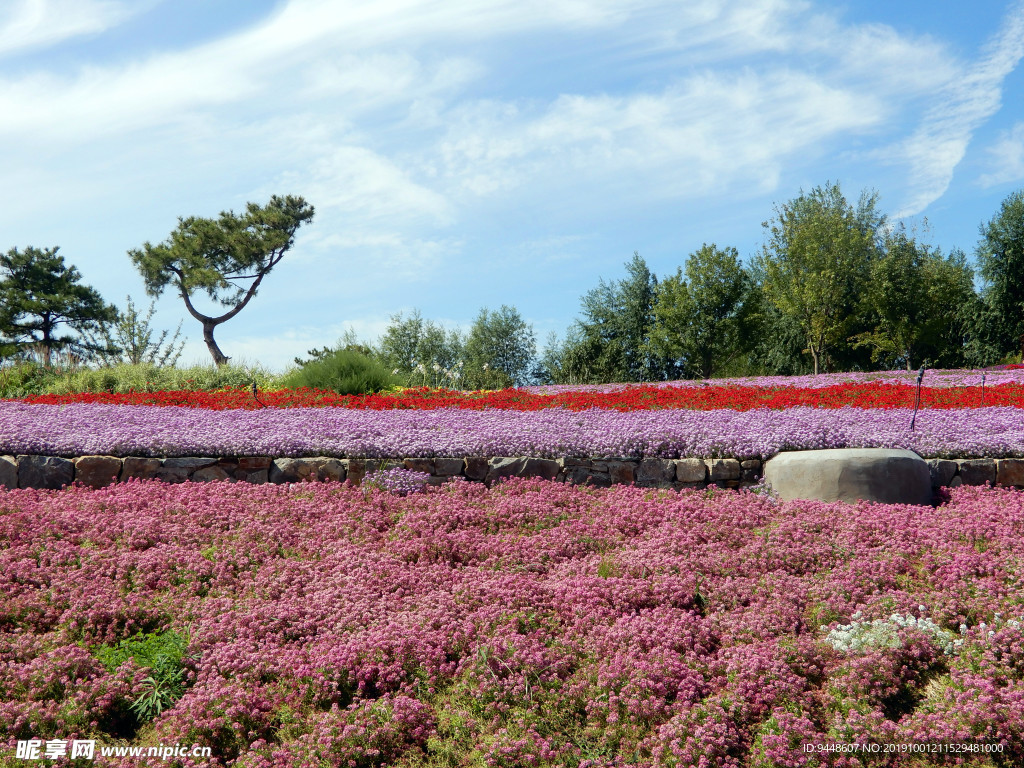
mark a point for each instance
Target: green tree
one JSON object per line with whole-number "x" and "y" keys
{"x": 915, "y": 296}
{"x": 216, "y": 256}
{"x": 1000, "y": 254}
{"x": 129, "y": 339}
{"x": 816, "y": 261}
{"x": 608, "y": 343}
{"x": 40, "y": 295}
{"x": 409, "y": 342}
{"x": 500, "y": 349}
{"x": 700, "y": 321}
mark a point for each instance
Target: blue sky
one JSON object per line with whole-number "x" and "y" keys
{"x": 471, "y": 153}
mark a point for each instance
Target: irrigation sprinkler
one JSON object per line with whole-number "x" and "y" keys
{"x": 917, "y": 399}
{"x": 983, "y": 374}
{"x": 256, "y": 396}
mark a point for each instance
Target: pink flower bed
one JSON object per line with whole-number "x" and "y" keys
{"x": 529, "y": 624}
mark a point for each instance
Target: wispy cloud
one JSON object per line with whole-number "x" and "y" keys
{"x": 1006, "y": 158}
{"x": 33, "y": 24}
{"x": 940, "y": 142}
{"x": 705, "y": 134}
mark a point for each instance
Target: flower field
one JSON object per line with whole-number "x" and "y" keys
{"x": 527, "y": 624}
{"x": 531, "y": 624}
{"x": 748, "y": 418}
{"x": 78, "y": 429}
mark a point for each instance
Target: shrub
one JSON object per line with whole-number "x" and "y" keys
{"x": 22, "y": 378}
{"x": 149, "y": 377}
{"x": 344, "y": 371}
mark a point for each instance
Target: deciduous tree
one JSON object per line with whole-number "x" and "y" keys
{"x": 1000, "y": 255}
{"x": 700, "y": 320}
{"x": 500, "y": 349}
{"x": 816, "y": 261}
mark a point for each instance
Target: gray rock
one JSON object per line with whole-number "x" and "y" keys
{"x": 1010, "y": 472}
{"x": 620, "y": 472}
{"x": 655, "y": 473}
{"x": 140, "y": 467}
{"x": 8, "y": 472}
{"x": 422, "y": 465}
{"x": 750, "y": 472}
{"x": 256, "y": 476}
{"x": 942, "y": 471}
{"x": 578, "y": 471}
{"x": 691, "y": 470}
{"x": 501, "y": 467}
{"x": 890, "y": 476}
{"x": 448, "y": 467}
{"x": 316, "y": 468}
{"x": 97, "y": 471}
{"x": 254, "y": 463}
{"x": 173, "y": 474}
{"x": 181, "y": 468}
{"x": 476, "y": 467}
{"x": 190, "y": 463}
{"x": 208, "y": 474}
{"x": 44, "y": 472}
{"x": 720, "y": 470}
{"x": 977, "y": 471}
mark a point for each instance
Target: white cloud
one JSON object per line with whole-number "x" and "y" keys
{"x": 704, "y": 134}
{"x": 940, "y": 142}
{"x": 33, "y": 24}
{"x": 1007, "y": 158}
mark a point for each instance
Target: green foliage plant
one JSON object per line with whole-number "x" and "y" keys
{"x": 210, "y": 255}
{"x": 162, "y": 653}
{"x": 916, "y": 298}
{"x": 344, "y": 371}
{"x": 149, "y": 377}
{"x": 132, "y": 340}
{"x": 608, "y": 343}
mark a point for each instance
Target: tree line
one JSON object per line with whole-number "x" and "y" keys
{"x": 835, "y": 286}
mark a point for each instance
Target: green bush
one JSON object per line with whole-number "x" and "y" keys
{"x": 147, "y": 377}
{"x": 18, "y": 379}
{"x": 344, "y": 371}
{"x": 162, "y": 654}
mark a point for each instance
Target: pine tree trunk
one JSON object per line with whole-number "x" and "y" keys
{"x": 218, "y": 357}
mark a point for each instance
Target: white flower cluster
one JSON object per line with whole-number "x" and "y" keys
{"x": 883, "y": 633}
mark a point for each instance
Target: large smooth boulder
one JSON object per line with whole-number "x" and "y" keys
{"x": 886, "y": 475}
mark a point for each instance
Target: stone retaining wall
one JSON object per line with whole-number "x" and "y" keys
{"x": 98, "y": 471}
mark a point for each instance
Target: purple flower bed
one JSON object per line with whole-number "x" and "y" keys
{"x": 529, "y": 624}
{"x": 79, "y": 429}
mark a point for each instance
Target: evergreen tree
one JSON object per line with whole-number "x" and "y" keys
{"x": 209, "y": 255}
{"x": 40, "y": 295}
{"x": 610, "y": 342}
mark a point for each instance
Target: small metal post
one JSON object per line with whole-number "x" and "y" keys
{"x": 917, "y": 400}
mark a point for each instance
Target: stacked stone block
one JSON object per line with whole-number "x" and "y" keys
{"x": 98, "y": 471}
